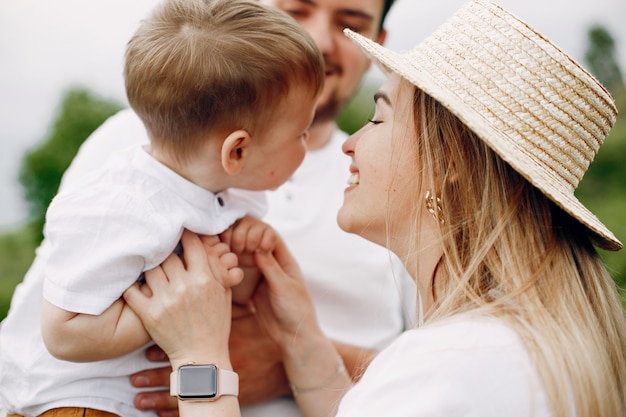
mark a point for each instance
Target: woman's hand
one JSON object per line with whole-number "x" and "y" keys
{"x": 282, "y": 302}
{"x": 186, "y": 303}
{"x": 247, "y": 236}
{"x": 284, "y": 308}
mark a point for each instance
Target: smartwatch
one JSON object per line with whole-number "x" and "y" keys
{"x": 193, "y": 382}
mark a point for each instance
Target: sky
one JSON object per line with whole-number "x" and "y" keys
{"x": 48, "y": 46}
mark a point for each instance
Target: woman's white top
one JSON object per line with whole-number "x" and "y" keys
{"x": 467, "y": 366}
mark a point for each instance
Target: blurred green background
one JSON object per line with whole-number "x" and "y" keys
{"x": 80, "y": 112}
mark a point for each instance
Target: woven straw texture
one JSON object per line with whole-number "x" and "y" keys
{"x": 529, "y": 101}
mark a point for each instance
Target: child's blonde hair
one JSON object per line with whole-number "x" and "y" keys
{"x": 196, "y": 65}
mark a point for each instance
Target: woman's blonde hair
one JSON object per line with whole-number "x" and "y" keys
{"x": 195, "y": 65}
{"x": 510, "y": 252}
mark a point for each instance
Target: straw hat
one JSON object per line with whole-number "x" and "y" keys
{"x": 531, "y": 103}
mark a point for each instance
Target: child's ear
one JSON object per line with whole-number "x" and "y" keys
{"x": 235, "y": 151}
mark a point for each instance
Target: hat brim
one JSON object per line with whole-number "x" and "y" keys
{"x": 394, "y": 62}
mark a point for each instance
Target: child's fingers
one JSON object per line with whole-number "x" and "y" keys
{"x": 219, "y": 250}
{"x": 268, "y": 240}
{"x": 255, "y": 235}
{"x": 249, "y": 236}
{"x": 239, "y": 235}
{"x": 229, "y": 260}
{"x": 221, "y": 261}
{"x": 233, "y": 277}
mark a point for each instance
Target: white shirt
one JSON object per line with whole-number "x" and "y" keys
{"x": 105, "y": 231}
{"x": 102, "y": 231}
{"x": 362, "y": 294}
{"x": 466, "y": 366}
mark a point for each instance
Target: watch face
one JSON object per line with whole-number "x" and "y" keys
{"x": 197, "y": 381}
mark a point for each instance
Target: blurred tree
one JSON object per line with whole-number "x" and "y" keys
{"x": 602, "y": 60}
{"x": 80, "y": 113}
{"x": 602, "y": 189}
{"x": 356, "y": 113}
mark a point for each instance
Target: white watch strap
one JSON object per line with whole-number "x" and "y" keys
{"x": 227, "y": 383}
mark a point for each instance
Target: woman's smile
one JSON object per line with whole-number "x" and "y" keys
{"x": 353, "y": 179}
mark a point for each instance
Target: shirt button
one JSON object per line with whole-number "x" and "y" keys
{"x": 220, "y": 201}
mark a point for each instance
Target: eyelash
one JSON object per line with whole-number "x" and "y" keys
{"x": 374, "y": 122}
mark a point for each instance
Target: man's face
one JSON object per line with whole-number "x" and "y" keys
{"x": 345, "y": 63}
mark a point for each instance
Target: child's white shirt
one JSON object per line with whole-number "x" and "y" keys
{"x": 126, "y": 219}
{"x": 101, "y": 233}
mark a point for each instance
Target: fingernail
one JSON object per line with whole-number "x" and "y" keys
{"x": 141, "y": 381}
{"x": 146, "y": 404}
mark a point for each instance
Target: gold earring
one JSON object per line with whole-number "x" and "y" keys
{"x": 433, "y": 205}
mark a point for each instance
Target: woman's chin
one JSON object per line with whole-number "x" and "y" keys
{"x": 343, "y": 220}
{"x": 355, "y": 225}
{"x": 348, "y": 222}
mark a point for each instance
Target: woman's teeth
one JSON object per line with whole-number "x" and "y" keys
{"x": 353, "y": 179}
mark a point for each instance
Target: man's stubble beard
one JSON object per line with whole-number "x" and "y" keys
{"x": 328, "y": 112}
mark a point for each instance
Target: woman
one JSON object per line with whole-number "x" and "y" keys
{"x": 467, "y": 172}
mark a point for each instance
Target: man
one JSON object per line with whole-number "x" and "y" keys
{"x": 356, "y": 309}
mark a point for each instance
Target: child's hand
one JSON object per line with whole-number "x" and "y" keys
{"x": 222, "y": 261}
{"x": 246, "y": 237}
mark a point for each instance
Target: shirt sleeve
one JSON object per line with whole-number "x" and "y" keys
{"x": 101, "y": 241}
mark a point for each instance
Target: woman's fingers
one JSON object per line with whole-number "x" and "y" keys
{"x": 134, "y": 297}
{"x": 278, "y": 264}
{"x": 209, "y": 240}
{"x": 193, "y": 250}
{"x": 155, "y": 278}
